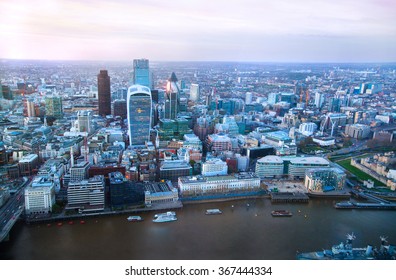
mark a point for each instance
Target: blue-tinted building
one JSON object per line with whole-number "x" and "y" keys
{"x": 139, "y": 114}
{"x": 141, "y": 72}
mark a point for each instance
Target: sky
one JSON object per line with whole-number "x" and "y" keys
{"x": 199, "y": 30}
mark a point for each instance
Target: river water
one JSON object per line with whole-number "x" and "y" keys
{"x": 241, "y": 232}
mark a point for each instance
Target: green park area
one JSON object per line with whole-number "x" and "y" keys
{"x": 346, "y": 163}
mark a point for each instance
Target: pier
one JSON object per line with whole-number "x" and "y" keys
{"x": 374, "y": 202}
{"x": 297, "y": 197}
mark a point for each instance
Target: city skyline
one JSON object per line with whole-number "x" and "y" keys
{"x": 267, "y": 31}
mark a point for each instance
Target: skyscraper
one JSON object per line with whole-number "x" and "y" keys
{"x": 104, "y": 95}
{"x": 172, "y": 98}
{"x": 194, "y": 92}
{"x": 141, "y": 73}
{"x": 248, "y": 98}
{"x": 139, "y": 114}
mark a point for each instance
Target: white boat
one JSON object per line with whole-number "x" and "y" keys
{"x": 134, "y": 219}
{"x": 213, "y": 212}
{"x": 165, "y": 217}
{"x": 165, "y": 214}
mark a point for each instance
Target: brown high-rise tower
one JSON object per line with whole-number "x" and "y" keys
{"x": 104, "y": 94}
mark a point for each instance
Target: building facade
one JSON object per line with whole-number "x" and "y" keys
{"x": 53, "y": 106}
{"x": 214, "y": 167}
{"x": 86, "y": 195}
{"x": 197, "y": 186}
{"x": 139, "y": 114}
{"x": 40, "y": 196}
{"x": 324, "y": 179}
{"x": 141, "y": 73}
{"x": 173, "y": 169}
{"x": 104, "y": 93}
{"x": 292, "y": 167}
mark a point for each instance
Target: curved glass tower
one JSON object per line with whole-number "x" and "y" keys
{"x": 139, "y": 114}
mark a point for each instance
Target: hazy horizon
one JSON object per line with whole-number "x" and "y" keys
{"x": 284, "y": 31}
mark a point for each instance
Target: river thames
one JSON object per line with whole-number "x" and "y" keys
{"x": 246, "y": 230}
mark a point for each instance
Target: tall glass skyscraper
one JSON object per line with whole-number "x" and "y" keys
{"x": 139, "y": 114}
{"x": 141, "y": 72}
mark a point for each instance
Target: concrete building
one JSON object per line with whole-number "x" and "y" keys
{"x": 200, "y": 185}
{"x": 218, "y": 143}
{"x": 270, "y": 167}
{"x": 292, "y": 167}
{"x": 163, "y": 192}
{"x": 173, "y": 169}
{"x": 324, "y": 141}
{"x": 40, "y": 196}
{"x": 87, "y": 195}
{"x": 79, "y": 171}
{"x": 213, "y": 167}
{"x": 84, "y": 121}
{"x": 324, "y": 179}
{"x": 28, "y": 165}
{"x": 308, "y": 128}
{"x": 357, "y": 131}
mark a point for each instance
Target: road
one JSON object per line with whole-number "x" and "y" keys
{"x": 10, "y": 212}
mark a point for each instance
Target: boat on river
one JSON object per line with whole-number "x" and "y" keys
{"x": 281, "y": 213}
{"x": 213, "y": 212}
{"x": 345, "y": 251}
{"x": 134, "y": 219}
{"x": 165, "y": 217}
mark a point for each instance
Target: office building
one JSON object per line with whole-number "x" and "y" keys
{"x": 84, "y": 120}
{"x": 120, "y": 108}
{"x": 308, "y": 128}
{"x": 40, "y": 196}
{"x": 104, "y": 93}
{"x": 218, "y": 185}
{"x": 141, "y": 73}
{"x": 214, "y": 167}
{"x": 139, "y": 112}
{"x": 124, "y": 193}
{"x": 218, "y": 143}
{"x": 273, "y": 98}
{"x": 248, "y": 98}
{"x": 292, "y": 167}
{"x": 324, "y": 179}
{"x": 319, "y": 99}
{"x": 163, "y": 192}
{"x": 28, "y": 165}
{"x": 173, "y": 169}
{"x": 86, "y": 195}
{"x": 172, "y": 98}
{"x": 79, "y": 171}
{"x": 194, "y": 92}
{"x": 357, "y": 131}
{"x": 53, "y": 106}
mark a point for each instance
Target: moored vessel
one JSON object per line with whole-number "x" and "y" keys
{"x": 166, "y": 213}
{"x": 134, "y": 219}
{"x": 213, "y": 212}
{"x": 345, "y": 251}
{"x": 164, "y": 217}
{"x": 281, "y": 213}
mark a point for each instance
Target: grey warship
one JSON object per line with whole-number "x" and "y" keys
{"x": 345, "y": 251}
